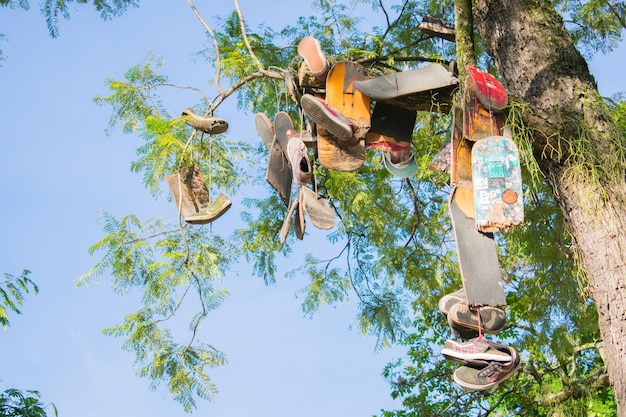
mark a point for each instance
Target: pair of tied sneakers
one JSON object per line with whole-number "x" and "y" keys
{"x": 467, "y": 322}
{"x": 486, "y": 364}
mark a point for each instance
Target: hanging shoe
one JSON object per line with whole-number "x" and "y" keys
{"x": 475, "y": 351}
{"x": 309, "y": 49}
{"x": 299, "y": 225}
{"x": 212, "y": 125}
{"x": 327, "y": 117}
{"x": 401, "y": 164}
{"x": 265, "y": 128}
{"x": 319, "y": 211}
{"x": 307, "y": 136}
{"x": 448, "y": 300}
{"x": 492, "y": 319}
{"x": 299, "y": 158}
{"x": 438, "y": 28}
{"x": 482, "y": 377}
{"x": 215, "y": 210}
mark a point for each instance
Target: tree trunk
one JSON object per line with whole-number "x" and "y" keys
{"x": 576, "y": 147}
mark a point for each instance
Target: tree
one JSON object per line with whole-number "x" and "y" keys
{"x": 563, "y": 266}
{"x": 13, "y": 402}
{"x": 12, "y": 291}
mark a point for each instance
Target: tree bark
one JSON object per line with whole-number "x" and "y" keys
{"x": 577, "y": 149}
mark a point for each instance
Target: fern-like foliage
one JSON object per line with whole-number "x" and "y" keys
{"x": 53, "y": 10}
{"x": 14, "y": 402}
{"x": 12, "y": 291}
{"x": 169, "y": 271}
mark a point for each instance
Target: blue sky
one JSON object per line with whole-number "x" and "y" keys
{"x": 59, "y": 170}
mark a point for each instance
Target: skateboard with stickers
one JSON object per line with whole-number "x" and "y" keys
{"x": 497, "y": 181}
{"x": 476, "y": 251}
{"x": 341, "y": 95}
{"x": 484, "y": 99}
{"x": 496, "y": 173}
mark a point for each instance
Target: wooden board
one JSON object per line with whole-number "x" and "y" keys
{"x": 461, "y": 165}
{"x": 478, "y": 121}
{"x": 478, "y": 260}
{"x": 343, "y": 96}
{"x": 391, "y": 123}
{"x": 428, "y": 88}
{"x": 497, "y": 182}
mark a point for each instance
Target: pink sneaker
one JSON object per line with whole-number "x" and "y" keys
{"x": 327, "y": 117}
{"x": 309, "y": 49}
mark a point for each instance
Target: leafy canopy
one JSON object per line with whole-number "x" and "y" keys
{"x": 12, "y": 291}
{"x": 392, "y": 249}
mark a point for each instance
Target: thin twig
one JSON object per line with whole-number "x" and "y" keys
{"x": 218, "y": 64}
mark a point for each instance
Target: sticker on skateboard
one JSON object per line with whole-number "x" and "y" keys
{"x": 478, "y": 121}
{"x": 478, "y": 260}
{"x": 497, "y": 181}
{"x": 427, "y": 89}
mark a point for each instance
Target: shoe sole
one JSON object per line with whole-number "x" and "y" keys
{"x": 209, "y": 217}
{"x": 474, "y": 387}
{"x": 309, "y": 49}
{"x": 318, "y": 112}
{"x": 265, "y": 128}
{"x": 479, "y": 356}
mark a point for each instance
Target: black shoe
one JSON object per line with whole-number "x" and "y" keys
{"x": 438, "y": 28}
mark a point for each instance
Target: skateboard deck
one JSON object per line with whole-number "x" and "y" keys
{"x": 391, "y": 133}
{"x": 478, "y": 260}
{"x": 461, "y": 165}
{"x": 355, "y": 106}
{"x": 343, "y": 96}
{"x": 497, "y": 181}
{"x": 478, "y": 121}
{"x": 390, "y": 123}
{"x": 489, "y": 90}
{"x": 426, "y": 89}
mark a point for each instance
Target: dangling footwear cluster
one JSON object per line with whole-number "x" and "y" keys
{"x": 485, "y": 364}
{"x": 343, "y": 111}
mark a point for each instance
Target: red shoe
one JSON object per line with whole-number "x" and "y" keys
{"x": 327, "y": 117}
{"x": 488, "y": 89}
